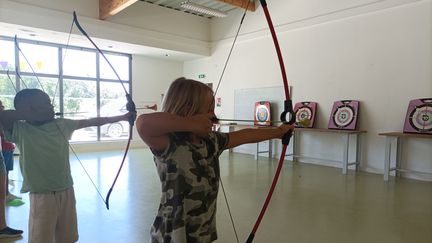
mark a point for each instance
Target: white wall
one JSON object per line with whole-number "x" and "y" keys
{"x": 379, "y": 53}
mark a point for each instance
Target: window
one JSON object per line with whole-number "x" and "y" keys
{"x": 7, "y": 55}
{"x": 113, "y": 103}
{"x": 79, "y": 63}
{"x": 38, "y": 58}
{"x": 79, "y": 81}
{"x": 80, "y": 102}
{"x": 120, "y": 64}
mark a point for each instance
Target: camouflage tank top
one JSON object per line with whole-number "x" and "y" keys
{"x": 189, "y": 175}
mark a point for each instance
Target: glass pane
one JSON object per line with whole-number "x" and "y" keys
{"x": 80, "y": 103}
{"x": 48, "y": 85}
{"x": 43, "y": 59}
{"x": 79, "y": 63}
{"x": 7, "y": 91}
{"x": 120, "y": 64}
{"x": 113, "y": 103}
{"x": 7, "y": 55}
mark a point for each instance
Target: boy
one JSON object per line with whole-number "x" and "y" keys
{"x": 44, "y": 162}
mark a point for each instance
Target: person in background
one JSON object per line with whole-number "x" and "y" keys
{"x": 8, "y": 156}
{"x": 43, "y": 142}
{"x": 5, "y": 231}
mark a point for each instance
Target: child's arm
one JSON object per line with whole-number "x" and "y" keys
{"x": 99, "y": 121}
{"x": 8, "y": 117}
{"x": 154, "y": 128}
{"x": 250, "y": 135}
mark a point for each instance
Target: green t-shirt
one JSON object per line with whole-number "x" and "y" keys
{"x": 44, "y": 154}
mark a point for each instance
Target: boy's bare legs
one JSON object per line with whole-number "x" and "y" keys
{"x": 2, "y": 201}
{"x": 5, "y": 231}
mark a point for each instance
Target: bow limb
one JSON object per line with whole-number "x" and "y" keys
{"x": 287, "y": 113}
{"x": 130, "y": 106}
{"x": 28, "y": 62}
{"x": 10, "y": 80}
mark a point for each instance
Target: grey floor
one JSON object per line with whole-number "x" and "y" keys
{"x": 311, "y": 203}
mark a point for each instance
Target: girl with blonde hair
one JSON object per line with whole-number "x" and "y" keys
{"x": 186, "y": 153}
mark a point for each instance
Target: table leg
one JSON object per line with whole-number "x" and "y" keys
{"x": 257, "y": 151}
{"x": 358, "y": 152}
{"x": 387, "y": 158}
{"x": 296, "y": 145}
{"x": 345, "y": 139}
{"x": 270, "y": 149}
{"x": 398, "y": 156}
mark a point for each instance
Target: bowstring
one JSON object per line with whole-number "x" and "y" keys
{"x": 214, "y": 96}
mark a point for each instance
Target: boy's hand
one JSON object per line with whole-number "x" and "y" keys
{"x": 129, "y": 115}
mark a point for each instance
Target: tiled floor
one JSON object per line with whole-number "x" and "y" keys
{"x": 311, "y": 203}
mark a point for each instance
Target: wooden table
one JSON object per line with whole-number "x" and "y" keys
{"x": 345, "y": 135}
{"x": 398, "y": 136}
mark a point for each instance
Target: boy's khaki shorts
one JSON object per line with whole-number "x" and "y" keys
{"x": 53, "y": 217}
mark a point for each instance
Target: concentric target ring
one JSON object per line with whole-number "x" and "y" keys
{"x": 262, "y": 114}
{"x": 303, "y": 113}
{"x": 421, "y": 118}
{"x": 343, "y": 116}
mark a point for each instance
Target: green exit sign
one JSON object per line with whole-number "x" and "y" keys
{"x": 201, "y": 76}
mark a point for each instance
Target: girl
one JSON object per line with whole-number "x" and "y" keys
{"x": 186, "y": 153}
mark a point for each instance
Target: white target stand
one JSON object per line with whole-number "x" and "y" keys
{"x": 345, "y": 136}
{"x": 398, "y": 137}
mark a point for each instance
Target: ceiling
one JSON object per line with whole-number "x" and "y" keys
{"x": 54, "y": 37}
{"x": 109, "y": 8}
{"x": 175, "y": 4}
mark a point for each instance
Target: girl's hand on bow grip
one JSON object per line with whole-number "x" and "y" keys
{"x": 201, "y": 124}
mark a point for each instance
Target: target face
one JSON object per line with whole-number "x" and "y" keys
{"x": 421, "y": 118}
{"x": 303, "y": 113}
{"x": 343, "y": 116}
{"x": 262, "y": 113}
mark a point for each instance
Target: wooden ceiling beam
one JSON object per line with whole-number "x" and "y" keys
{"x": 241, "y": 4}
{"x": 109, "y": 8}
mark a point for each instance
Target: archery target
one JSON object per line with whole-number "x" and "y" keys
{"x": 305, "y": 111}
{"x": 344, "y": 115}
{"x": 419, "y": 116}
{"x": 262, "y": 113}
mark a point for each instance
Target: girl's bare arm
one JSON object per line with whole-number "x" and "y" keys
{"x": 154, "y": 128}
{"x": 251, "y": 135}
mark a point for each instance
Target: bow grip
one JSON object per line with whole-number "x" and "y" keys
{"x": 130, "y": 106}
{"x": 288, "y": 111}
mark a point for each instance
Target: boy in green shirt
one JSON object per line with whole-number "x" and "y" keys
{"x": 43, "y": 142}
